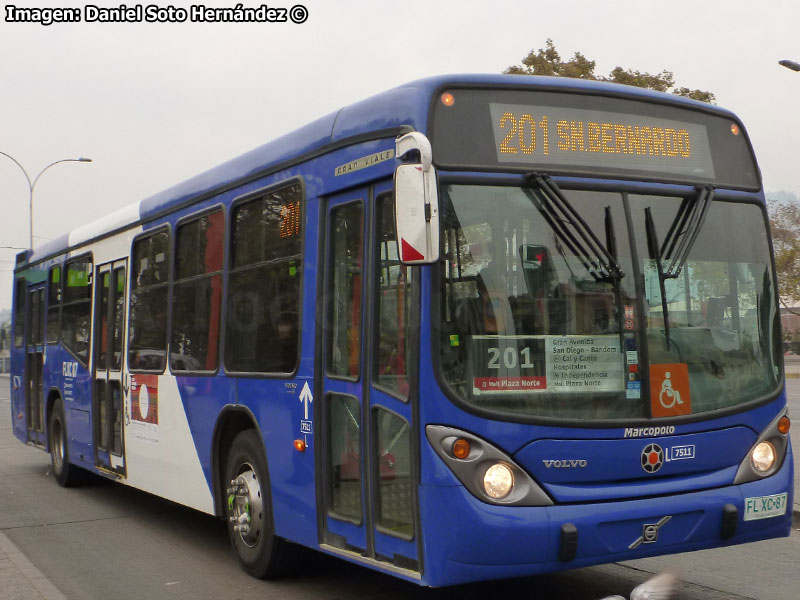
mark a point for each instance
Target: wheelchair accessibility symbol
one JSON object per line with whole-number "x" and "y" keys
{"x": 669, "y": 390}
{"x": 669, "y": 397}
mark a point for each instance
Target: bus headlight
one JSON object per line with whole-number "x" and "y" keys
{"x": 498, "y": 481}
{"x": 486, "y": 471}
{"x": 768, "y": 453}
{"x": 763, "y": 457}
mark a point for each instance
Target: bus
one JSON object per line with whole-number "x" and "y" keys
{"x": 473, "y": 327}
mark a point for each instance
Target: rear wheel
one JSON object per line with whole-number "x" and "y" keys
{"x": 66, "y": 474}
{"x": 248, "y": 508}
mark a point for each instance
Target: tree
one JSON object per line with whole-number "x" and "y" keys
{"x": 784, "y": 221}
{"x": 547, "y": 61}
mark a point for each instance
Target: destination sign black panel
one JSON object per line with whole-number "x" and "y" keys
{"x": 575, "y": 133}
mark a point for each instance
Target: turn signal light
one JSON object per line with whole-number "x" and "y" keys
{"x": 300, "y": 445}
{"x": 461, "y": 448}
{"x": 784, "y": 424}
{"x": 448, "y": 99}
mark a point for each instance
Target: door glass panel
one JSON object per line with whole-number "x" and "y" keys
{"x": 394, "y": 306}
{"x": 345, "y": 290}
{"x": 394, "y": 509}
{"x": 36, "y": 320}
{"x": 118, "y": 309}
{"x": 53, "y": 304}
{"x": 35, "y": 406}
{"x": 116, "y": 417}
{"x": 344, "y": 458}
{"x": 102, "y": 342}
{"x": 102, "y": 407}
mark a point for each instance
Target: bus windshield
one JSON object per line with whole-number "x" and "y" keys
{"x": 532, "y": 325}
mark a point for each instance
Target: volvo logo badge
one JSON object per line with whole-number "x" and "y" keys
{"x": 566, "y": 463}
{"x": 652, "y": 458}
{"x": 649, "y": 533}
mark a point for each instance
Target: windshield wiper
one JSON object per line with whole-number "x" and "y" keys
{"x": 678, "y": 243}
{"x": 685, "y": 227}
{"x": 574, "y": 232}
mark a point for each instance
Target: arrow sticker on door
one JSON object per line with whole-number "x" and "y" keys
{"x": 306, "y": 398}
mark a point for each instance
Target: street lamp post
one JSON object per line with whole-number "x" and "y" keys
{"x": 32, "y": 184}
{"x": 789, "y": 64}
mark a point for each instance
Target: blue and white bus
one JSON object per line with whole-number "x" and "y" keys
{"x": 473, "y": 327}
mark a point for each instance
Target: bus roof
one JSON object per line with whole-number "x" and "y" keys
{"x": 403, "y": 106}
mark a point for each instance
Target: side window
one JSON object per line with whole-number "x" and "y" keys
{"x": 19, "y": 312}
{"x": 263, "y": 318}
{"x": 147, "y": 346}
{"x": 346, "y": 282}
{"x": 197, "y": 295}
{"x": 76, "y": 311}
{"x": 394, "y": 307}
{"x": 53, "y": 303}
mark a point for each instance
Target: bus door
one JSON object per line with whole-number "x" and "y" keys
{"x": 107, "y": 397}
{"x": 368, "y": 462}
{"x": 34, "y": 359}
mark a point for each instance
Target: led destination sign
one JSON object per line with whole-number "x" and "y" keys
{"x": 583, "y": 134}
{"x": 573, "y": 136}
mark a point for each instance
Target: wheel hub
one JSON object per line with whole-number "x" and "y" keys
{"x": 58, "y": 446}
{"x": 245, "y": 505}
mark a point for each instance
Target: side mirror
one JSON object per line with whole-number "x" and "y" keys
{"x": 416, "y": 205}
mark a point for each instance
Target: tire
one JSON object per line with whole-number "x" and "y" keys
{"x": 247, "y": 503}
{"x": 66, "y": 474}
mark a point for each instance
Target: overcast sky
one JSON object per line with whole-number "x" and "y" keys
{"x": 154, "y": 104}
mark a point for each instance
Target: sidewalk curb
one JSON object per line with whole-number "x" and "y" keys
{"x": 24, "y": 572}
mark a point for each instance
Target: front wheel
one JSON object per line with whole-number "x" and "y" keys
{"x": 248, "y": 508}
{"x": 66, "y": 474}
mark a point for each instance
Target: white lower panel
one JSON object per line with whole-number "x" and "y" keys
{"x": 159, "y": 449}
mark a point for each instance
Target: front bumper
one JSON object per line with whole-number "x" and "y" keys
{"x": 469, "y": 540}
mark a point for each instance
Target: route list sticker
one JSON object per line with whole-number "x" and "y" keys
{"x": 583, "y": 364}
{"x": 555, "y": 364}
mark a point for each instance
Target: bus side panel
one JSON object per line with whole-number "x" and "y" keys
{"x": 280, "y": 409}
{"x": 203, "y": 399}
{"x": 161, "y": 456}
{"x": 276, "y": 404}
{"x": 16, "y": 381}
{"x": 62, "y": 371}
{"x": 17, "y": 378}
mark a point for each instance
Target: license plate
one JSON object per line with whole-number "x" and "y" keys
{"x": 764, "y": 507}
